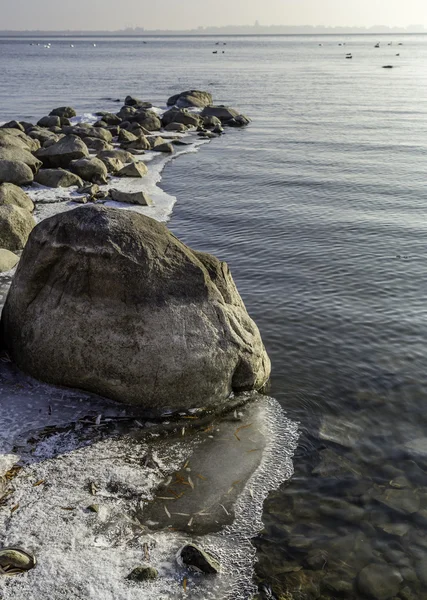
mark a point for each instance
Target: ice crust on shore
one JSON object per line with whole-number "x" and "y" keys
{"x": 65, "y": 449}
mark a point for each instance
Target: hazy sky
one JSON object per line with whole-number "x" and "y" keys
{"x": 187, "y": 14}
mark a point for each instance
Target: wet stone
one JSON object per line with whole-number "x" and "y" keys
{"x": 404, "y": 501}
{"x": 316, "y": 559}
{"x": 195, "y": 558}
{"x": 143, "y": 573}
{"x": 340, "y": 431}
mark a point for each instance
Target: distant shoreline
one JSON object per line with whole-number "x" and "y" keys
{"x": 152, "y": 34}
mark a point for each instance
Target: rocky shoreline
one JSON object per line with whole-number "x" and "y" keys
{"x": 108, "y": 302}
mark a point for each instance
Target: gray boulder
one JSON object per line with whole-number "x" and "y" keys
{"x": 109, "y": 118}
{"x": 15, "y": 153}
{"x": 211, "y": 122}
{"x": 136, "y": 102}
{"x": 225, "y": 115}
{"x": 61, "y": 154}
{"x": 165, "y": 147}
{"x": 140, "y": 143}
{"x": 90, "y": 169}
{"x": 8, "y": 260}
{"x": 63, "y": 111}
{"x": 111, "y": 302}
{"x": 15, "y": 171}
{"x": 13, "y": 125}
{"x": 147, "y": 119}
{"x": 113, "y": 165}
{"x": 42, "y": 135}
{"x": 83, "y": 130}
{"x": 97, "y": 144}
{"x": 12, "y": 194}
{"x": 122, "y": 155}
{"x": 16, "y": 225}
{"x": 180, "y": 127}
{"x": 136, "y": 169}
{"x": 55, "y": 178}
{"x": 52, "y": 121}
{"x": 180, "y": 115}
{"x": 15, "y": 137}
{"x": 191, "y": 98}
{"x": 379, "y": 581}
{"x": 141, "y": 198}
{"x": 126, "y": 136}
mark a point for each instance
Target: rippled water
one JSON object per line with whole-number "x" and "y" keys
{"x": 319, "y": 208}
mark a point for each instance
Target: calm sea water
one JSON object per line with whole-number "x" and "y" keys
{"x": 319, "y": 207}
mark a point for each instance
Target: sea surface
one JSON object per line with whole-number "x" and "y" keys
{"x": 320, "y": 209}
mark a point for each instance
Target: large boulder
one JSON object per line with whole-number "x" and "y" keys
{"x": 12, "y": 194}
{"x": 15, "y": 137}
{"x": 90, "y": 169}
{"x": 15, "y": 153}
{"x": 111, "y": 302}
{"x": 97, "y": 144}
{"x": 147, "y": 119}
{"x": 191, "y": 98}
{"x": 16, "y": 225}
{"x": 63, "y": 111}
{"x": 51, "y": 121}
{"x": 54, "y": 178}
{"x": 122, "y": 155}
{"x": 63, "y": 152}
{"x": 15, "y": 171}
{"x": 84, "y": 130}
{"x": 8, "y": 260}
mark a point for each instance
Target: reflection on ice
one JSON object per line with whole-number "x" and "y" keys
{"x": 78, "y": 451}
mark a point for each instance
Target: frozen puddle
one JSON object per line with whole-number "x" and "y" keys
{"x": 78, "y": 451}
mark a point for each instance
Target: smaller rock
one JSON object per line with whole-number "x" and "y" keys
{"x": 93, "y": 508}
{"x": 316, "y": 559}
{"x": 180, "y": 127}
{"x": 90, "y": 169}
{"x": 140, "y": 198}
{"x": 90, "y": 190}
{"x": 113, "y": 165}
{"x": 137, "y": 169}
{"x": 195, "y": 558}
{"x": 52, "y": 121}
{"x": 166, "y": 147}
{"x": 8, "y": 260}
{"x": 143, "y": 573}
{"x": 63, "y": 111}
{"x": 54, "y": 178}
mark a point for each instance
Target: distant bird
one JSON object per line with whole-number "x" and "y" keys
{"x": 320, "y": 44}
{"x": 377, "y": 45}
{"x": 71, "y": 45}
{"x": 349, "y": 56}
{"x": 215, "y": 52}
{"x": 94, "y": 45}
{"x": 387, "y": 66}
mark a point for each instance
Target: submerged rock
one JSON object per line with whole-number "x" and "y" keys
{"x": 226, "y": 115}
{"x": 380, "y": 582}
{"x": 195, "y": 558}
{"x": 111, "y": 302}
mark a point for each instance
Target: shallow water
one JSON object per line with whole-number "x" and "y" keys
{"x": 319, "y": 209}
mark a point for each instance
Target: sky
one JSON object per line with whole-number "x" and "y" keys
{"x": 189, "y": 14}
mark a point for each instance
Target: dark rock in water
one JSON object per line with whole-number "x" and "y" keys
{"x": 63, "y": 111}
{"x": 61, "y": 154}
{"x": 7, "y": 260}
{"x": 136, "y": 102}
{"x": 141, "y": 198}
{"x": 211, "y": 122}
{"x": 239, "y": 121}
{"x": 55, "y": 178}
{"x": 405, "y": 501}
{"x": 12, "y": 194}
{"x": 16, "y": 172}
{"x": 191, "y": 98}
{"x": 224, "y": 114}
{"x": 379, "y": 581}
{"x": 111, "y": 302}
{"x": 388, "y": 67}
{"x": 422, "y": 571}
{"x": 90, "y": 169}
{"x": 16, "y": 225}
{"x": 316, "y": 559}
{"x": 195, "y": 558}
{"x": 143, "y": 573}
{"x": 136, "y": 169}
